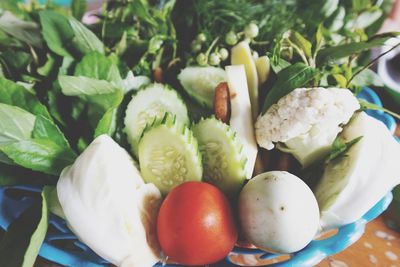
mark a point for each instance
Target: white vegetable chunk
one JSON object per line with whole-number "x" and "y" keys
{"x": 278, "y": 212}
{"x": 306, "y": 122}
{"x": 352, "y": 184}
{"x": 241, "y": 55}
{"x": 108, "y": 206}
{"x": 241, "y": 117}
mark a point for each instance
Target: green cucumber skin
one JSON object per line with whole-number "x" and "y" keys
{"x": 143, "y": 110}
{"x": 223, "y": 159}
{"x": 169, "y": 154}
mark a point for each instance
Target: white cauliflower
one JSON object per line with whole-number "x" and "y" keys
{"x": 306, "y": 122}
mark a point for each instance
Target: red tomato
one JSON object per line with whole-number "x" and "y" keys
{"x": 195, "y": 225}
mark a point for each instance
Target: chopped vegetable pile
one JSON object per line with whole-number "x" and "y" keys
{"x": 149, "y": 124}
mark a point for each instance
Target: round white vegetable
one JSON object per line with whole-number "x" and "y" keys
{"x": 278, "y": 212}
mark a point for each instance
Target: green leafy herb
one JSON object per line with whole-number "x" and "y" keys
{"x": 46, "y": 129}
{"x": 346, "y": 50}
{"x": 98, "y": 66}
{"x": 84, "y": 40}
{"x": 39, "y": 155}
{"x": 12, "y": 93}
{"x": 24, "y": 237}
{"x": 56, "y": 31}
{"x": 78, "y": 8}
{"x": 339, "y": 147}
{"x": 16, "y": 124}
{"x": 28, "y": 32}
{"x": 365, "y": 105}
{"x": 290, "y": 78}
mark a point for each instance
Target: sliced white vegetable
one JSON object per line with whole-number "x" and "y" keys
{"x": 355, "y": 182}
{"x": 278, "y": 212}
{"x": 241, "y": 55}
{"x": 263, "y": 68}
{"x": 241, "y": 118}
{"x": 108, "y": 206}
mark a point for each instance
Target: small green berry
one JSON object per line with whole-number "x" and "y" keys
{"x": 196, "y": 46}
{"x": 231, "y": 38}
{"x": 201, "y": 37}
{"x": 214, "y": 59}
{"x": 251, "y": 30}
{"x": 201, "y": 59}
{"x": 223, "y": 54}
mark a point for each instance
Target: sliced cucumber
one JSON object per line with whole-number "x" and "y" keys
{"x": 169, "y": 154}
{"x": 200, "y": 83}
{"x": 223, "y": 158}
{"x": 149, "y": 104}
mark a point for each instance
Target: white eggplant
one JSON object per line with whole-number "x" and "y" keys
{"x": 109, "y": 207}
{"x": 353, "y": 183}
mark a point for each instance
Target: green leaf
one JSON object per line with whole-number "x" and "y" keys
{"x": 301, "y": 42}
{"x": 46, "y": 129}
{"x": 24, "y": 237}
{"x": 337, "y": 52}
{"x": 365, "y": 19}
{"x": 365, "y": 105}
{"x": 14, "y": 94}
{"x": 84, "y": 40}
{"x": 367, "y": 77}
{"x": 78, "y": 8}
{"x": 290, "y": 78}
{"x": 57, "y": 31}
{"x": 83, "y": 86}
{"x": 341, "y": 80}
{"x": 107, "y": 123}
{"x": 336, "y": 21}
{"x": 39, "y": 155}
{"x": 359, "y": 5}
{"x": 15, "y": 124}
{"x": 46, "y": 68}
{"x": 319, "y": 39}
{"x": 28, "y": 32}
{"x": 98, "y": 66}
{"x": 339, "y": 147}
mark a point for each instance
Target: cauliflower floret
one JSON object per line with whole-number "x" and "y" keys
{"x": 306, "y": 121}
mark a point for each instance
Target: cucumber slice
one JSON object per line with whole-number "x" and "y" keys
{"x": 223, "y": 158}
{"x": 149, "y": 104}
{"x": 169, "y": 154}
{"x": 200, "y": 83}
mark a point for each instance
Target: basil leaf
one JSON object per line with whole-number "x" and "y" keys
{"x": 98, "y": 66}
{"x": 24, "y": 237}
{"x": 28, "y": 32}
{"x": 46, "y": 129}
{"x": 84, "y": 40}
{"x": 39, "y": 155}
{"x": 15, "y": 124}
{"x": 56, "y": 31}
{"x": 78, "y": 8}
{"x": 337, "y": 52}
{"x": 290, "y": 78}
{"x": 14, "y": 94}
{"x": 360, "y": 5}
{"x": 84, "y": 86}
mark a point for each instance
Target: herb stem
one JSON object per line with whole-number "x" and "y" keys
{"x": 372, "y": 62}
